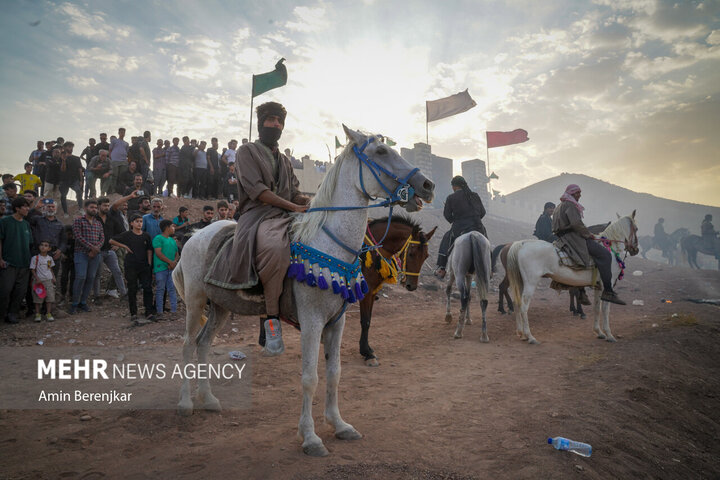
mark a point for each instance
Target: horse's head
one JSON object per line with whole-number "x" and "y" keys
{"x": 414, "y": 255}
{"x": 630, "y": 228}
{"x": 624, "y": 230}
{"x": 383, "y": 172}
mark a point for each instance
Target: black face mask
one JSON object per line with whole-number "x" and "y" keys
{"x": 269, "y": 136}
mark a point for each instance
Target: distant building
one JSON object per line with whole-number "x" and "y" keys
{"x": 311, "y": 174}
{"x": 439, "y": 169}
{"x": 476, "y": 176}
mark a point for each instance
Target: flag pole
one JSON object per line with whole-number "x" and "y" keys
{"x": 487, "y": 154}
{"x": 427, "y": 138}
{"x": 252, "y": 98}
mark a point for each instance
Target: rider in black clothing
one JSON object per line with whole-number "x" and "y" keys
{"x": 464, "y": 210}
{"x": 543, "y": 226}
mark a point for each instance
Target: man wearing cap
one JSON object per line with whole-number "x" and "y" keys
{"x": 581, "y": 246}
{"x": 268, "y": 191}
{"x": 543, "y": 226}
{"x": 15, "y": 239}
{"x": 464, "y": 210}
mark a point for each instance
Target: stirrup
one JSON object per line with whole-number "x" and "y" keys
{"x": 273, "y": 337}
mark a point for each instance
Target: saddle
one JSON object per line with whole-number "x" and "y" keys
{"x": 245, "y": 301}
{"x": 566, "y": 261}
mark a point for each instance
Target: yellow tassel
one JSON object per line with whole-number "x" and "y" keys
{"x": 368, "y": 260}
{"x": 203, "y": 320}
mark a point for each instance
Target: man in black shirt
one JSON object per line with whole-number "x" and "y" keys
{"x": 71, "y": 177}
{"x": 53, "y": 160}
{"x": 208, "y": 214}
{"x": 138, "y": 266}
{"x": 214, "y": 178}
{"x": 185, "y": 168}
{"x": 464, "y": 210}
{"x": 543, "y": 226}
{"x": 103, "y": 145}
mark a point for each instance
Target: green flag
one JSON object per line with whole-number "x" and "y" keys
{"x": 493, "y": 176}
{"x": 337, "y": 143}
{"x": 267, "y": 81}
{"x": 391, "y": 142}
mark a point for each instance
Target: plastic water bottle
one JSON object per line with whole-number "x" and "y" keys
{"x": 562, "y": 443}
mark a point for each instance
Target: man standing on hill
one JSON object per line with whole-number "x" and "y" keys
{"x": 661, "y": 238}
{"x": 118, "y": 159}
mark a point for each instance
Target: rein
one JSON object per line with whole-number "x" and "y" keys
{"x": 400, "y": 256}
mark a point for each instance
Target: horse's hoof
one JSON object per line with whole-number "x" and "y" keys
{"x": 583, "y": 316}
{"x": 611, "y": 339}
{"x": 185, "y": 410}
{"x": 457, "y": 336}
{"x": 448, "y": 318}
{"x": 485, "y": 339}
{"x": 468, "y": 321}
{"x": 349, "y": 434}
{"x": 316, "y": 450}
{"x": 372, "y": 362}
{"x": 532, "y": 341}
{"x": 601, "y": 336}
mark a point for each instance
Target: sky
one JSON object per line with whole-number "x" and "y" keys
{"x": 627, "y": 91}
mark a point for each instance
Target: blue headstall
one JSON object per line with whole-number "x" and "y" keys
{"x": 346, "y": 278}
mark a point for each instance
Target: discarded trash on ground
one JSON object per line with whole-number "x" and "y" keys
{"x": 237, "y": 355}
{"x": 665, "y": 300}
{"x": 637, "y": 273}
{"x": 638, "y": 302}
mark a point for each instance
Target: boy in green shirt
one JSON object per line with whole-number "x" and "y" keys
{"x": 164, "y": 260}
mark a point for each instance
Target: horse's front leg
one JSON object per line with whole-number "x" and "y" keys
{"x": 310, "y": 343}
{"x": 606, "y": 322}
{"x": 448, "y": 293}
{"x": 216, "y": 319}
{"x": 366, "y": 308}
{"x": 332, "y": 338}
{"x": 597, "y": 304}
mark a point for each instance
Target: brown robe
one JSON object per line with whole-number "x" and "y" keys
{"x": 258, "y": 169}
{"x": 572, "y": 233}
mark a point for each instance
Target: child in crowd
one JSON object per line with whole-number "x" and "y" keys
{"x": 41, "y": 267}
{"x": 138, "y": 266}
{"x": 164, "y": 261}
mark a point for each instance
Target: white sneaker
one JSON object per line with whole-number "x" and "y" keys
{"x": 113, "y": 293}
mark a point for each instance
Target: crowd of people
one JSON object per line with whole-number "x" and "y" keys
{"x": 45, "y": 262}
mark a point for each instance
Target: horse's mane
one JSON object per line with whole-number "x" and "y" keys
{"x": 307, "y": 226}
{"x": 415, "y": 227}
{"x": 616, "y": 230}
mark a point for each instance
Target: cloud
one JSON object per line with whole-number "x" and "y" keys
{"x": 82, "y": 82}
{"x": 93, "y": 26}
{"x": 99, "y": 59}
{"x": 307, "y": 19}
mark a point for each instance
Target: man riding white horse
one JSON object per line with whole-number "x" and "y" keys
{"x": 268, "y": 192}
{"x": 582, "y": 246}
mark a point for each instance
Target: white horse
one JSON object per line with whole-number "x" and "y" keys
{"x": 531, "y": 260}
{"x": 471, "y": 251}
{"x": 350, "y": 183}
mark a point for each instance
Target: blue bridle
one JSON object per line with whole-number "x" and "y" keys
{"x": 402, "y": 194}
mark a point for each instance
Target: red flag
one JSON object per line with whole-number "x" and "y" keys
{"x": 501, "y": 139}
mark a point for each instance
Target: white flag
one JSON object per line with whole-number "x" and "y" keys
{"x": 449, "y": 106}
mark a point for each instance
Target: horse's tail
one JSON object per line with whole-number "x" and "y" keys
{"x": 514, "y": 275}
{"x": 178, "y": 280}
{"x": 481, "y": 262}
{"x": 494, "y": 257}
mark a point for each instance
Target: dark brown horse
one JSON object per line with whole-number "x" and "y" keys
{"x": 399, "y": 260}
